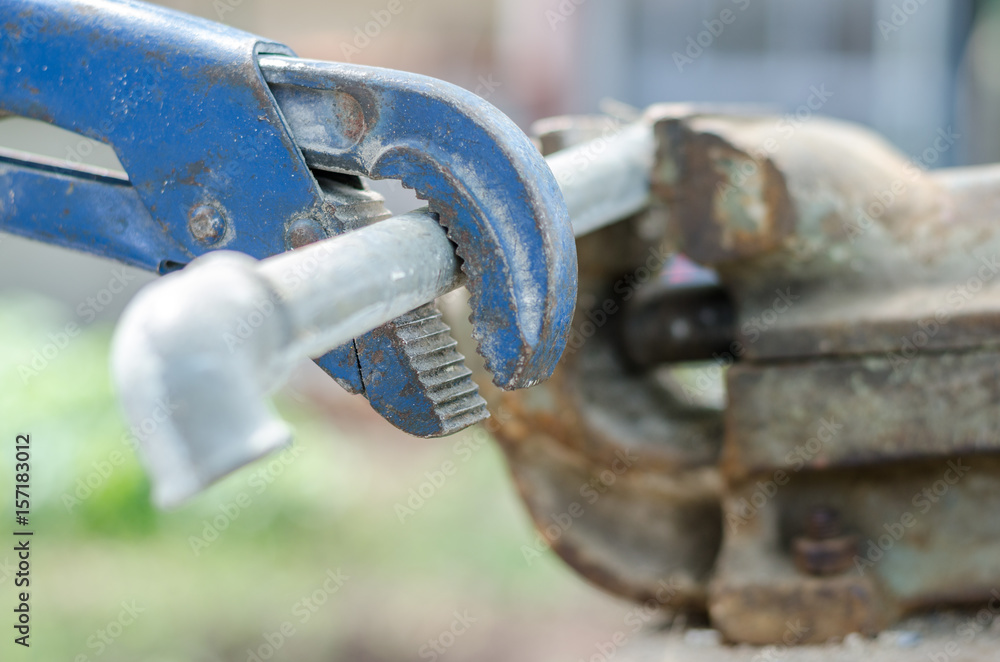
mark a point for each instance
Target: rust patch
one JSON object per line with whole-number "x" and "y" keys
{"x": 728, "y": 204}
{"x": 194, "y": 170}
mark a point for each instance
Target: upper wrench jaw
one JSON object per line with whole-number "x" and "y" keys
{"x": 515, "y": 328}
{"x": 492, "y": 189}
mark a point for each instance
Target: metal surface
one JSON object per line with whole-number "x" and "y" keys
{"x": 182, "y": 103}
{"x": 823, "y": 549}
{"x": 137, "y": 65}
{"x": 215, "y": 339}
{"x": 64, "y": 203}
{"x": 867, "y": 363}
{"x": 669, "y": 323}
{"x": 937, "y": 404}
{"x": 615, "y": 453}
{"x": 606, "y": 178}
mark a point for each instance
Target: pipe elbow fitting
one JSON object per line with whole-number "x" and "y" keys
{"x": 194, "y": 358}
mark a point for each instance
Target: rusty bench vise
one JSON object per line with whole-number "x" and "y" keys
{"x": 812, "y": 430}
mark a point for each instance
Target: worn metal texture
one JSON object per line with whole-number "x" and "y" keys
{"x": 756, "y": 589}
{"x": 412, "y": 375}
{"x": 428, "y": 367}
{"x": 905, "y": 452}
{"x": 944, "y": 295}
{"x": 75, "y": 197}
{"x": 924, "y": 539}
{"x": 874, "y": 250}
{"x": 866, "y": 341}
{"x": 490, "y": 186}
{"x": 861, "y": 411}
{"x": 618, "y": 476}
{"x": 183, "y": 104}
{"x": 861, "y": 357}
{"x": 728, "y": 205}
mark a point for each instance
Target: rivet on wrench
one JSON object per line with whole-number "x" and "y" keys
{"x": 206, "y": 224}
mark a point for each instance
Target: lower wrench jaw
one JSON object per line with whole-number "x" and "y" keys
{"x": 428, "y": 392}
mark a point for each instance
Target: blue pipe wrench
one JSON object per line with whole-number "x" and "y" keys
{"x": 230, "y": 141}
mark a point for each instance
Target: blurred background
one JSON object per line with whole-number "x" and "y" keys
{"x": 218, "y": 580}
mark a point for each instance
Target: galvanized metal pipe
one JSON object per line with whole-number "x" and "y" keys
{"x": 606, "y": 179}
{"x": 196, "y": 352}
{"x": 388, "y": 265}
{"x": 339, "y": 289}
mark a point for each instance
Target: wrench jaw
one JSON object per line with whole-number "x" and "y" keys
{"x": 434, "y": 383}
{"x": 413, "y": 358}
{"x": 492, "y": 191}
{"x": 517, "y": 312}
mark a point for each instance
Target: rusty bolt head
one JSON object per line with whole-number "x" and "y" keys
{"x": 823, "y": 523}
{"x": 303, "y": 232}
{"x": 206, "y": 224}
{"x": 823, "y": 550}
